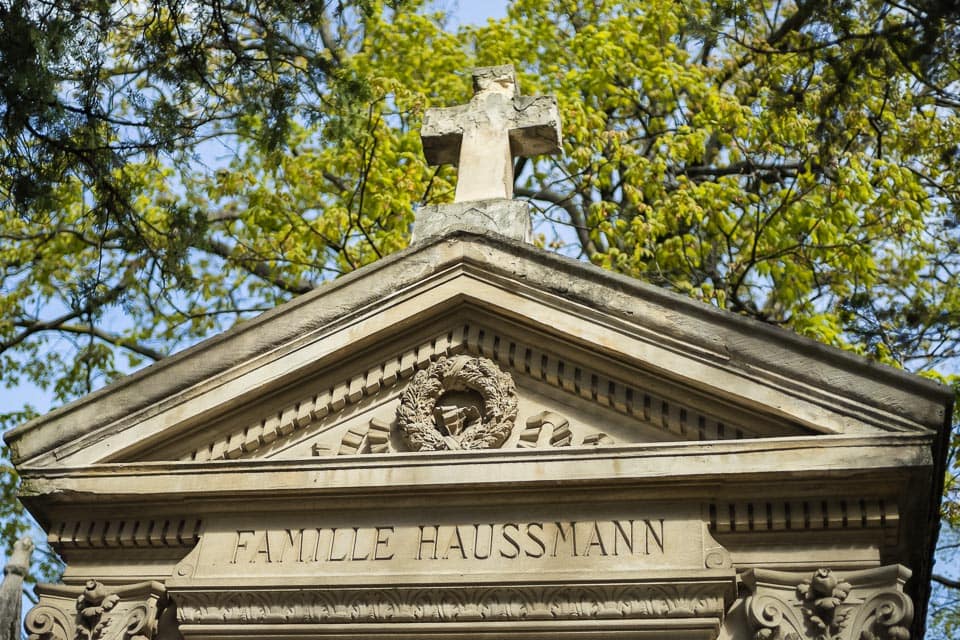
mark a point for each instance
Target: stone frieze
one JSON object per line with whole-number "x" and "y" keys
{"x": 671, "y": 415}
{"x": 336, "y": 606}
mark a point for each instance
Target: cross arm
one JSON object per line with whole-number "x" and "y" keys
{"x": 442, "y": 133}
{"x": 535, "y": 128}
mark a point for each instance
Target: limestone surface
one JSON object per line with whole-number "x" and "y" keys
{"x": 510, "y": 218}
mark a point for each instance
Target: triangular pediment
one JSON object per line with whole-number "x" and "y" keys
{"x": 596, "y": 360}
{"x": 565, "y": 396}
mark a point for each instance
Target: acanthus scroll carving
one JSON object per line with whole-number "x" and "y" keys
{"x": 462, "y": 402}
{"x": 859, "y": 605}
{"x": 95, "y": 612}
{"x": 344, "y": 606}
{"x": 45, "y": 622}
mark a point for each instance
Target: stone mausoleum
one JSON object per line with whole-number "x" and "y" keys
{"x": 474, "y": 438}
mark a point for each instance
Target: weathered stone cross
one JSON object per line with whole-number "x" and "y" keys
{"x": 483, "y": 136}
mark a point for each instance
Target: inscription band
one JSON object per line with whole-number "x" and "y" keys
{"x": 437, "y": 542}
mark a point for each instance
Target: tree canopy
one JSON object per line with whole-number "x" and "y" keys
{"x": 171, "y": 167}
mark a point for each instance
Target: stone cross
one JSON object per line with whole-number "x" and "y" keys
{"x": 483, "y": 136}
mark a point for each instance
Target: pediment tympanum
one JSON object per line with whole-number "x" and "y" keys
{"x": 554, "y": 401}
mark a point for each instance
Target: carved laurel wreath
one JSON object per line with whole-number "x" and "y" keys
{"x": 416, "y": 413}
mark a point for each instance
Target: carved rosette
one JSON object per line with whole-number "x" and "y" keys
{"x": 428, "y": 425}
{"x": 860, "y": 605}
{"x": 94, "y": 612}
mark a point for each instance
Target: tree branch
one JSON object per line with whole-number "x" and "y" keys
{"x": 326, "y": 37}
{"x": 945, "y": 581}
{"x": 31, "y": 328}
{"x": 113, "y": 339}
{"x": 745, "y": 168}
{"x": 336, "y": 181}
{"x": 566, "y": 203}
{"x": 256, "y": 267}
{"x": 792, "y": 23}
{"x": 85, "y": 329}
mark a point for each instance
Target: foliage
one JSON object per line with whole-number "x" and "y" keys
{"x": 170, "y": 168}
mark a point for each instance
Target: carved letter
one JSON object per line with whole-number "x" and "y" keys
{"x": 536, "y": 539}
{"x": 292, "y": 541}
{"x": 429, "y": 541}
{"x": 263, "y": 548}
{"x": 241, "y": 543}
{"x": 353, "y": 549}
{"x": 627, "y": 540}
{"x": 595, "y": 540}
{"x": 511, "y": 540}
{"x": 316, "y": 549}
{"x": 562, "y": 535}
{"x": 382, "y": 541}
{"x": 333, "y": 544}
{"x": 456, "y": 542}
{"x": 476, "y": 542}
{"x": 652, "y": 532}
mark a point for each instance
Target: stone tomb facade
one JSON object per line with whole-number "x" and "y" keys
{"x": 474, "y": 438}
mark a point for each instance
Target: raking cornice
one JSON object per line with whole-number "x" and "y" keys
{"x": 837, "y": 382}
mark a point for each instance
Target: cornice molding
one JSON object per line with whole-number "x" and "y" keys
{"x": 125, "y": 533}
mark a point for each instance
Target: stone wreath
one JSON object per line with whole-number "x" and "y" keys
{"x": 427, "y": 426}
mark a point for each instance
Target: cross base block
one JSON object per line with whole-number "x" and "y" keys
{"x": 500, "y": 216}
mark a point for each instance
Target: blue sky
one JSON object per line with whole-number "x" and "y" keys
{"x": 478, "y": 11}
